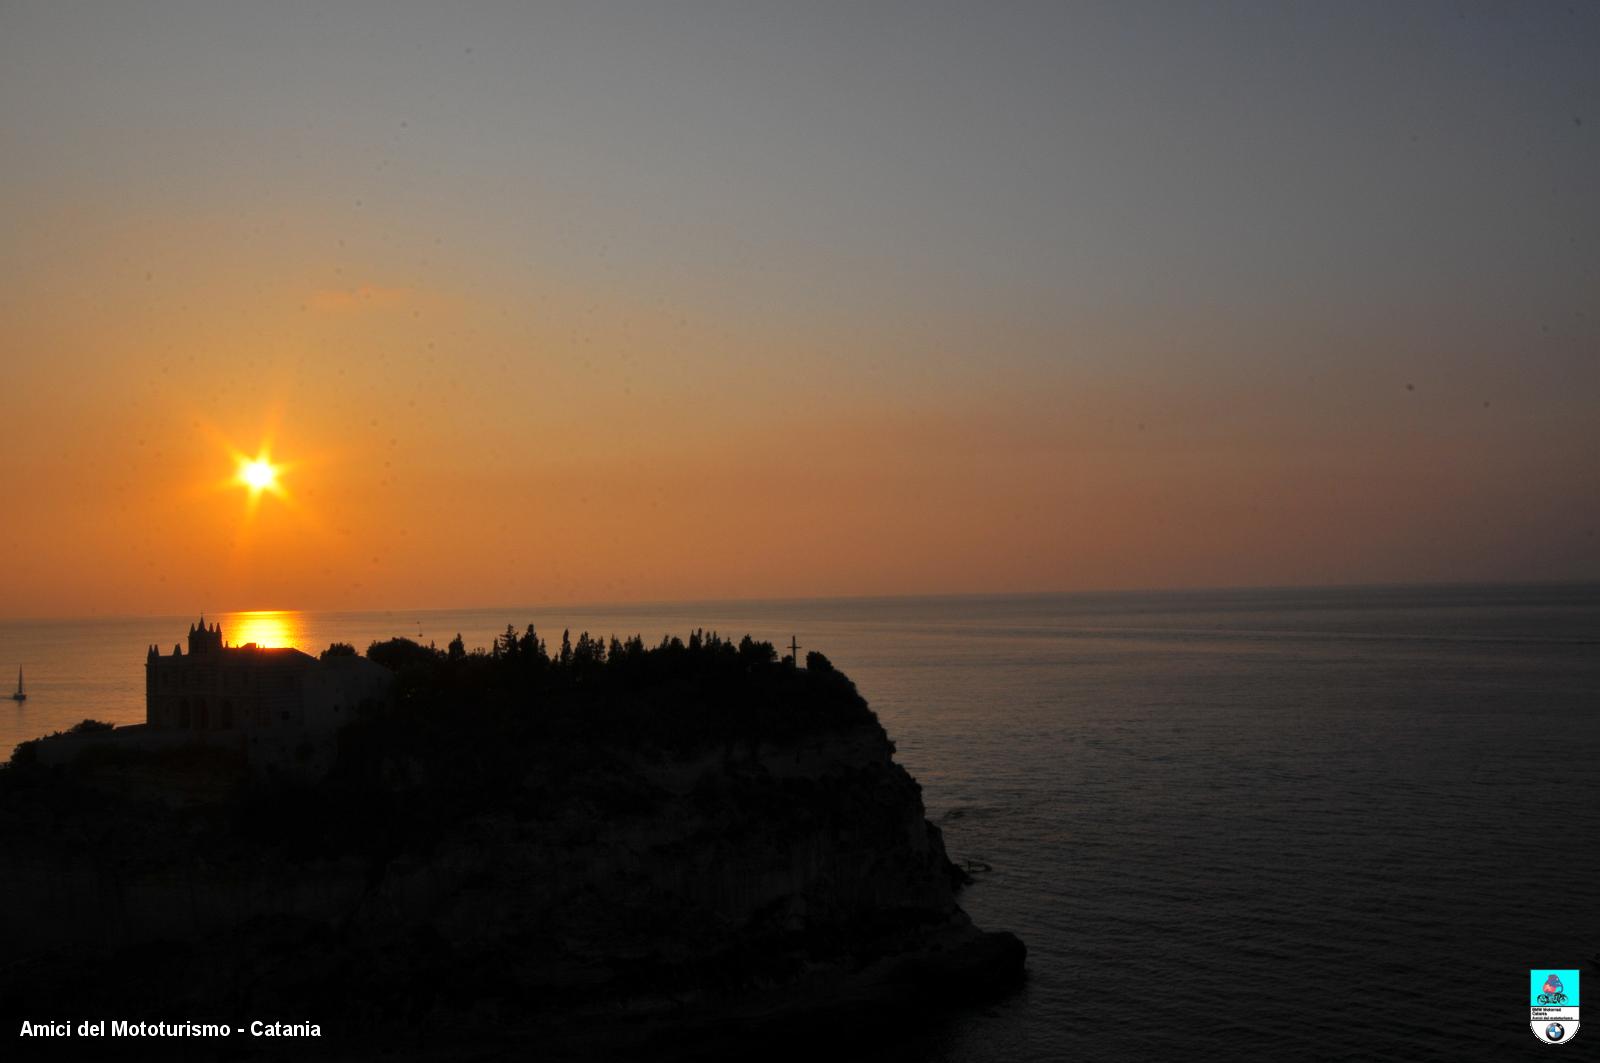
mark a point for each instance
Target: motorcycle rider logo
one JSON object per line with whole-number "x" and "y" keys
{"x": 1553, "y": 1004}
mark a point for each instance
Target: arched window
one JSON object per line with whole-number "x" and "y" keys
{"x": 227, "y": 716}
{"x": 202, "y": 716}
{"x": 183, "y": 712}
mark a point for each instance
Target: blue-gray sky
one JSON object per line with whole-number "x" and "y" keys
{"x": 1023, "y": 296}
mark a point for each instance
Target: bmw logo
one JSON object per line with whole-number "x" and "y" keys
{"x": 1555, "y": 1031}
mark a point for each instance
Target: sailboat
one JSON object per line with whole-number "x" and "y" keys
{"x": 20, "y": 695}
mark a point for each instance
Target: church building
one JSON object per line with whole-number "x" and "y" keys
{"x": 280, "y": 706}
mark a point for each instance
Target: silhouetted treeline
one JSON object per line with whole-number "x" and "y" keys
{"x": 28, "y": 752}
{"x": 672, "y": 694}
{"x": 528, "y": 650}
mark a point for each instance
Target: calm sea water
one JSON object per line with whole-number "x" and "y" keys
{"x": 1330, "y": 824}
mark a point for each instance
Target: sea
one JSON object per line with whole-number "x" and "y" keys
{"x": 1323, "y": 824}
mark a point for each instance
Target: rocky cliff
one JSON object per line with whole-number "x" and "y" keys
{"x": 581, "y": 887}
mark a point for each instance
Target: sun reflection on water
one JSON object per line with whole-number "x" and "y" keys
{"x": 264, "y": 627}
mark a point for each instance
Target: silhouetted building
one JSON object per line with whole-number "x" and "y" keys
{"x": 280, "y": 706}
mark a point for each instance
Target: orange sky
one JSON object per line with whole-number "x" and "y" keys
{"x": 499, "y": 379}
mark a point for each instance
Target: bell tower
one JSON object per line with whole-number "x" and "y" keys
{"x": 204, "y": 640}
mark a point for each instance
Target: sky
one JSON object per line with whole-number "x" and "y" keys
{"x": 680, "y": 301}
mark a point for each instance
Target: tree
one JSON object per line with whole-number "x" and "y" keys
{"x": 398, "y": 653}
{"x": 588, "y": 651}
{"x": 816, "y": 662}
{"x": 530, "y": 646}
{"x": 88, "y": 727}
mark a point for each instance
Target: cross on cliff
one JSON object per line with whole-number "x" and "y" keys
{"x": 794, "y": 651}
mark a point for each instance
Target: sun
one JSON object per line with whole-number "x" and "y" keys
{"x": 258, "y": 474}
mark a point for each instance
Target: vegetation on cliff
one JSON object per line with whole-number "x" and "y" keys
{"x": 673, "y": 696}
{"x": 517, "y": 730}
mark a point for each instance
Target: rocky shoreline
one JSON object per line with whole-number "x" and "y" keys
{"x": 610, "y": 896}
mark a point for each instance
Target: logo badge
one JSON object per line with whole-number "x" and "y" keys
{"x": 1553, "y": 1004}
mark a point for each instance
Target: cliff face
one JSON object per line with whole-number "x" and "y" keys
{"x": 617, "y": 897}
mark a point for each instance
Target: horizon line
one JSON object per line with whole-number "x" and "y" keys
{"x": 827, "y": 598}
